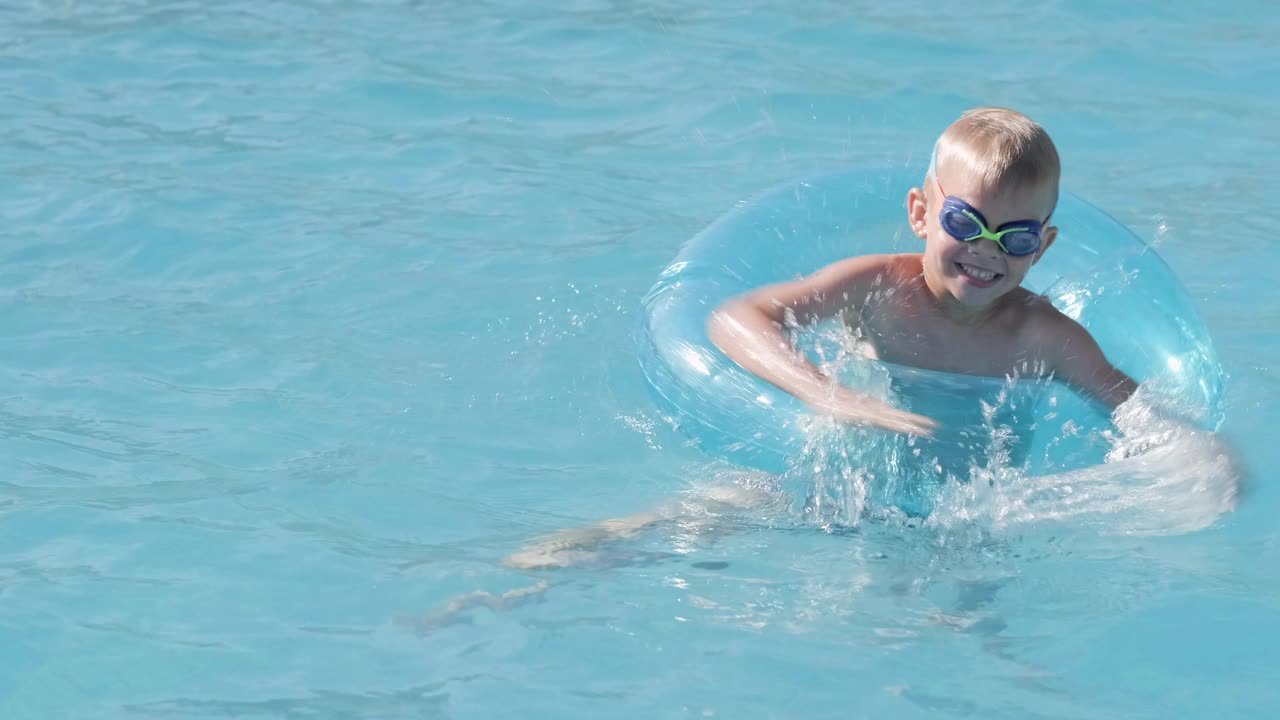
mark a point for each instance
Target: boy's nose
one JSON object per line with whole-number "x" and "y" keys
{"x": 985, "y": 247}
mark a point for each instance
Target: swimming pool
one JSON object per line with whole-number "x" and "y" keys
{"x": 315, "y": 311}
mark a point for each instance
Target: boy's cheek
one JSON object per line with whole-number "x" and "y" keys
{"x": 1021, "y": 269}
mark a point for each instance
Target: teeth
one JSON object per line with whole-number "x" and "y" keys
{"x": 978, "y": 273}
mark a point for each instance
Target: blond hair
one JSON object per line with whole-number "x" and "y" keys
{"x": 1001, "y": 148}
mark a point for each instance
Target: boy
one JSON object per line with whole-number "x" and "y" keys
{"x": 957, "y": 307}
{"x": 984, "y": 213}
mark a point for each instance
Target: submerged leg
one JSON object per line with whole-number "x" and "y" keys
{"x": 578, "y": 546}
{"x": 453, "y": 611}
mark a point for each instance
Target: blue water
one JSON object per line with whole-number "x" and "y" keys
{"x": 316, "y": 311}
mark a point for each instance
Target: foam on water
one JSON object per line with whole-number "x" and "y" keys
{"x": 1157, "y": 471}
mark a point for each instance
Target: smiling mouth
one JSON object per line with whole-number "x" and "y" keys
{"x": 979, "y": 276}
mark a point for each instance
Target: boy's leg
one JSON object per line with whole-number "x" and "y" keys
{"x": 578, "y": 546}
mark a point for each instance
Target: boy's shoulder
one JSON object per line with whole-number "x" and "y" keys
{"x": 885, "y": 260}
{"x": 868, "y": 272}
{"x": 891, "y": 265}
{"x": 1043, "y": 325}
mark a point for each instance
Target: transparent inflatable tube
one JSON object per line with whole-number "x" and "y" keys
{"x": 1097, "y": 272}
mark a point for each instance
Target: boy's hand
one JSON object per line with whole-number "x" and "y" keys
{"x": 857, "y": 409}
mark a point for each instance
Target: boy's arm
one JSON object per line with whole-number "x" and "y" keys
{"x": 1080, "y": 363}
{"x": 751, "y": 329}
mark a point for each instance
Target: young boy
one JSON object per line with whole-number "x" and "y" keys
{"x": 984, "y": 213}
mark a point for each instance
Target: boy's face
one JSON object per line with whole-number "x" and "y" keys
{"x": 978, "y": 272}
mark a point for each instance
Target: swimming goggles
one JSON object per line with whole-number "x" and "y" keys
{"x": 965, "y": 223}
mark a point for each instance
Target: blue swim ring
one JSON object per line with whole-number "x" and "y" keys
{"x": 1098, "y": 272}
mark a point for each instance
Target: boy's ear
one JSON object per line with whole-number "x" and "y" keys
{"x": 917, "y": 212}
{"x": 1050, "y": 234}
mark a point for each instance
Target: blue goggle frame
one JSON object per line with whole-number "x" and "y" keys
{"x": 965, "y": 223}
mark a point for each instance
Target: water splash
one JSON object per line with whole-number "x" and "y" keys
{"x": 1161, "y": 475}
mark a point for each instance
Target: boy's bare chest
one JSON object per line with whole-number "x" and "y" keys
{"x": 918, "y": 339}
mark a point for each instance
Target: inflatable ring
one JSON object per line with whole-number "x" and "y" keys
{"x": 1097, "y": 272}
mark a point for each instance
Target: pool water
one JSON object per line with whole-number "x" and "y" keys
{"x": 314, "y": 312}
